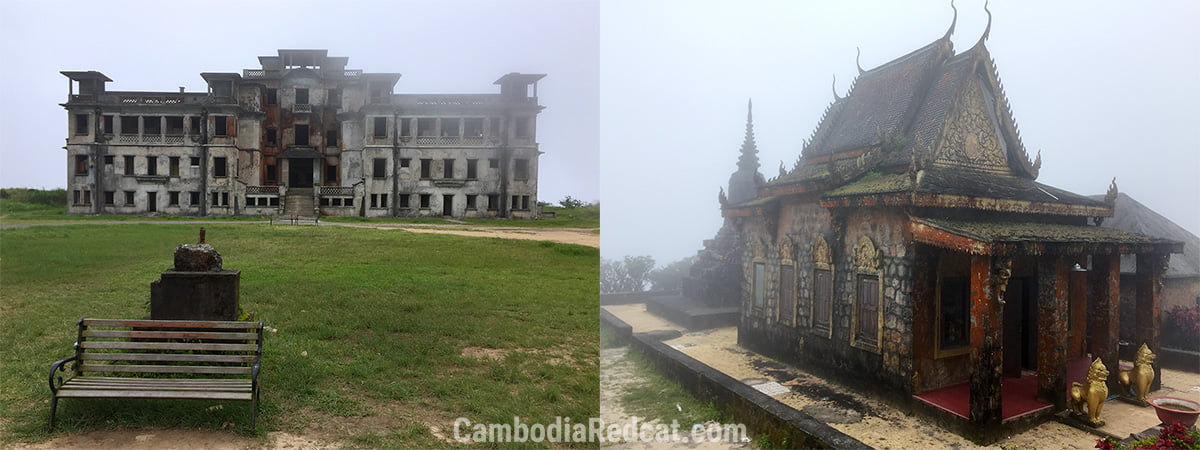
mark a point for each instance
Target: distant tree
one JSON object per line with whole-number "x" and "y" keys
{"x": 571, "y": 203}
{"x": 670, "y": 278}
{"x": 628, "y": 275}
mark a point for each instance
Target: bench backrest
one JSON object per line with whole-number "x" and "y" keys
{"x": 208, "y": 349}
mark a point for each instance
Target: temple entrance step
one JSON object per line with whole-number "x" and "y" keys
{"x": 299, "y": 203}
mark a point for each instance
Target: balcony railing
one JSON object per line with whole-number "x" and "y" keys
{"x": 254, "y": 73}
{"x": 352, "y": 73}
{"x": 336, "y": 191}
{"x": 262, "y": 190}
{"x": 450, "y": 140}
{"x": 302, "y": 108}
{"x": 153, "y": 98}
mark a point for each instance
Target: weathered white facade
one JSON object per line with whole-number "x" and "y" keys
{"x": 303, "y": 136}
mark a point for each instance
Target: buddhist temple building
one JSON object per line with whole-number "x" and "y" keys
{"x": 912, "y": 250}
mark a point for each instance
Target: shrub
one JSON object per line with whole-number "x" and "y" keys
{"x": 1181, "y": 328}
{"x": 1172, "y": 436}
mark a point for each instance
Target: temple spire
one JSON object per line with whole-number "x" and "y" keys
{"x": 742, "y": 184}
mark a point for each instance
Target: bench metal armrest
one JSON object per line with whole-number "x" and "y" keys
{"x": 56, "y": 367}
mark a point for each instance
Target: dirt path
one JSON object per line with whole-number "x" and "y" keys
{"x": 577, "y": 236}
{"x": 164, "y": 439}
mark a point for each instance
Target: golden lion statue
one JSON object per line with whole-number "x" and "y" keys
{"x": 1094, "y": 393}
{"x": 1141, "y": 375}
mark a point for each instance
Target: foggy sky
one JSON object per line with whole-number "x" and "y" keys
{"x": 438, "y": 47}
{"x": 1103, "y": 89}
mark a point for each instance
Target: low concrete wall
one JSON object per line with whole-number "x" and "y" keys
{"x": 763, "y": 415}
{"x": 625, "y": 298}
{"x": 1177, "y": 359}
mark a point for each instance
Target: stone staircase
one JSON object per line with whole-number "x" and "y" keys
{"x": 298, "y": 203}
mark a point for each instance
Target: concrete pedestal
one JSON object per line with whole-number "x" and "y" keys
{"x": 210, "y": 295}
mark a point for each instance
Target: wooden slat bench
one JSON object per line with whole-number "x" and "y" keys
{"x": 162, "y": 359}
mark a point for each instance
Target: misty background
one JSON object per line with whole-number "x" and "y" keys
{"x": 1104, "y": 89}
{"x": 439, "y": 47}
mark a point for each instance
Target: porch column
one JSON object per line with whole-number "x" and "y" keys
{"x": 1105, "y": 318}
{"x": 986, "y": 346}
{"x": 1150, "y": 271}
{"x": 1052, "y": 329}
{"x": 1078, "y": 308}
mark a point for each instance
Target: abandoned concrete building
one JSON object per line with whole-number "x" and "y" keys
{"x": 302, "y": 136}
{"x": 911, "y": 251}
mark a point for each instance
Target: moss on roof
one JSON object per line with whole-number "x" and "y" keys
{"x": 1041, "y": 232}
{"x": 875, "y": 183}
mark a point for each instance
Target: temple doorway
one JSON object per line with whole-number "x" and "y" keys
{"x": 1020, "y": 327}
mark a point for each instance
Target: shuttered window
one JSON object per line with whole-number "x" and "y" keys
{"x": 822, "y": 298}
{"x": 867, "y": 331}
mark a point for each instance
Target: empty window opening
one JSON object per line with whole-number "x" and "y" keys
{"x": 335, "y": 98}
{"x": 521, "y": 169}
{"x": 194, "y": 125}
{"x": 108, "y": 124}
{"x": 471, "y": 201}
{"x": 129, "y": 124}
{"x": 219, "y": 166}
{"x": 493, "y": 163}
{"x": 194, "y": 198}
{"x": 110, "y": 197}
{"x": 405, "y": 162}
{"x": 272, "y": 176}
{"x": 87, "y": 197}
{"x": 954, "y": 314}
{"x": 403, "y": 201}
{"x": 175, "y": 125}
{"x": 128, "y": 164}
{"x": 448, "y": 205}
{"x": 525, "y": 202}
{"x": 108, "y": 160}
{"x": 472, "y": 172}
{"x": 493, "y": 202}
{"x": 515, "y": 202}
{"x": 272, "y": 137}
{"x": 129, "y": 198}
{"x": 75, "y": 197}
{"x": 473, "y": 127}
{"x": 174, "y": 166}
{"x": 272, "y": 96}
{"x": 301, "y": 134}
{"x": 152, "y": 125}
{"x": 524, "y": 128}
{"x": 81, "y": 165}
{"x": 380, "y": 128}
{"x": 172, "y": 198}
{"x": 151, "y": 165}
{"x": 425, "y": 167}
{"x": 495, "y": 126}
{"x": 222, "y": 126}
{"x": 425, "y": 200}
{"x": 195, "y": 162}
{"x": 331, "y": 138}
{"x": 425, "y": 126}
{"x": 301, "y": 96}
{"x": 152, "y": 201}
{"x": 447, "y": 168}
{"x": 450, "y": 127}
{"x": 406, "y": 127}
{"x": 81, "y": 124}
{"x": 380, "y": 168}
{"x": 331, "y": 173}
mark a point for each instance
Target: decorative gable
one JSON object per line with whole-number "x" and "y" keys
{"x": 971, "y": 137}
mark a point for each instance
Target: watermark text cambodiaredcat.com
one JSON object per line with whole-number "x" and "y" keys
{"x": 563, "y": 429}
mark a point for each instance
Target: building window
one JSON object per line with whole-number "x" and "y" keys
{"x": 473, "y": 127}
{"x": 380, "y": 127}
{"x": 129, "y": 198}
{"x": 128, "y": 164}
{"x": 172, "y": 198}
{"x": 151, "y": 201}
{"x": 822, "y": 298}
{"x": 953, "y": 316}
{"x": 222, "y": 126}
{"x": 447, "y": 168}
{"x": 760, "y": 294}
{"x": 787, "y": 293}
{"x": 379, "y": 200}
{"x": 331, "y": 138}
{"x": 524, "y": 128}
{"x": 405, "y": 162}
{"x": 301, "y": 96}
{"x": 331, "y": 173}
{"x": 472, "y": 172}
{"x": 272, "y": 96}
{"x": 335, "y": 98}
{"x": 151, "y": 165}
{"x": 81, "y": 165}
{"x": 81, "y": 124}
{"x": 175, "y": 125}
{"x": 75, "y": 197}
{"x": 194, "y": 198}
{"x": 406, "y": 127}
{"x": 219, "y": 167}
{"x": 525, "y": 202}
{"x": 425, "y": 168}
{"x": 152, "y": 125}
{"x": 272, "y": 137}
{"x": 425, "y": 127}
{"x": 425, "y": 201}
{"x": 195, "y": 161}
{"x": 493, "y": 163}
{"x": 174, "y": 166}
{"x": 867, "y": 297}
{"x": 272, "y": 176}
{"x": 450, "y": 127}
{"x": 108, "y": 124}
{"x": 493, "y": 202}
{"x": 108, "y": 160}
{"x": 129, "y": 125}
{"x": 380, "y": 168}
{"x": 403, "y": 201}
{"x": 220, "y": 199}
{"x": 301, "y": 134}
{"x": 515, "y": 202}
{"x": 521, "y": 169}
{"x": 471, "y": 201}
{"x": 110, "y": 197}
{"x": 495, "y": 126}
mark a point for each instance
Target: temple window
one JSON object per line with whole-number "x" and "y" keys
{"x": 953, "y": 317}
{"x": 759, "y": 284}
{"x": 866, "y": 321}
{"x": 822, "y": 287}
{"x": 786, "y": 312}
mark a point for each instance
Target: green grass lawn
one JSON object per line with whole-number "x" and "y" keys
{"x": 380, "y": 333}
{"x": 17, "y": 213}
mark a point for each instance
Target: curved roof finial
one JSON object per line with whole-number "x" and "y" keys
{"x": 835, "y": 95}
{"x": 986, "y": 31}
{"x": 953, "y": 22}
{"x": 856, "y": 58}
